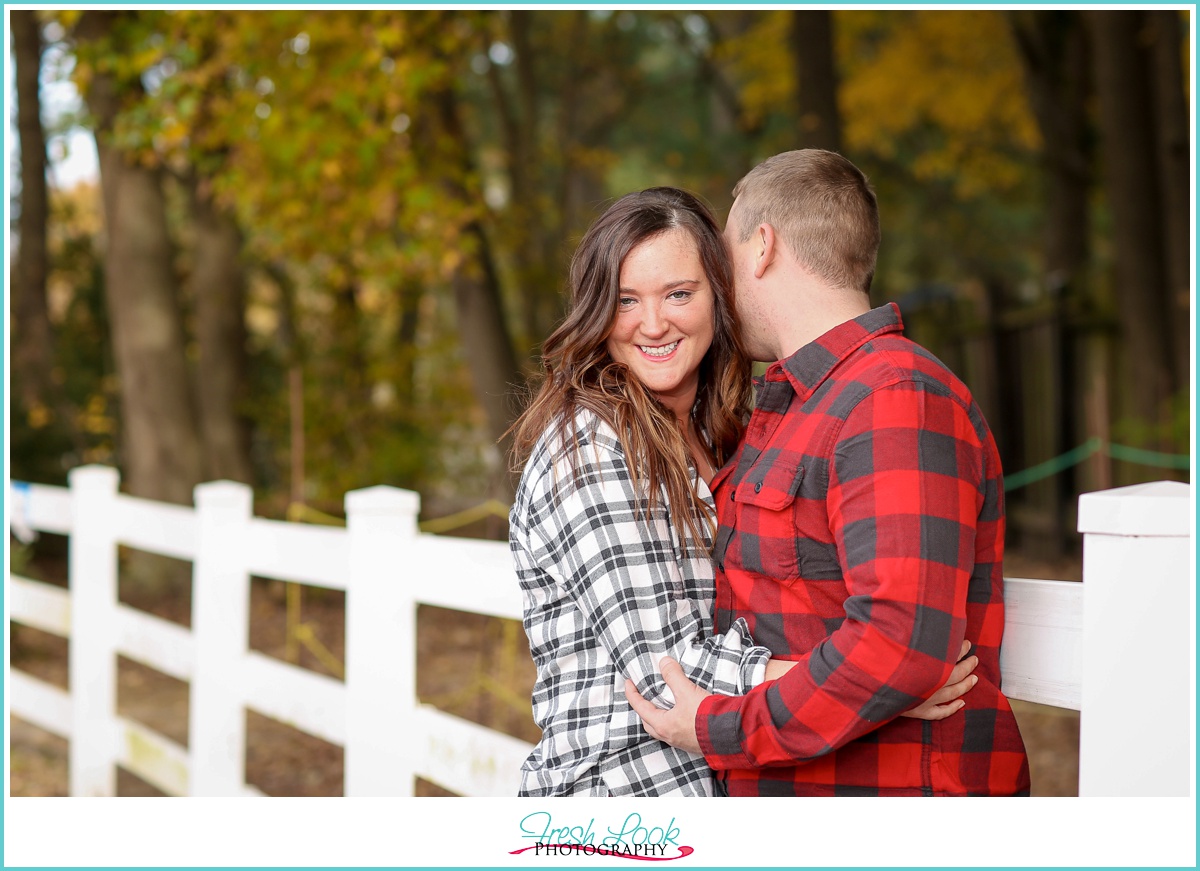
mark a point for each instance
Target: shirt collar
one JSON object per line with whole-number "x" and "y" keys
{"x": 811, "y": 365}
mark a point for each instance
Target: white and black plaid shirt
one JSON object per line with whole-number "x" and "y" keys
{"x": 607, "y": 593}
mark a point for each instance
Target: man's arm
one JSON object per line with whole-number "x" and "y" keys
{"x": 677, "y": 726}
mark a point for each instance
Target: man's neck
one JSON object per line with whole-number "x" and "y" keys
{"x": 820, "y": 311}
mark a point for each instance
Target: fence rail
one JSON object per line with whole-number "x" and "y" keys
{"x": 1057, "y": 634}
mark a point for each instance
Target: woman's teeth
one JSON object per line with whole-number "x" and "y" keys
{"x": 661, "y": 351}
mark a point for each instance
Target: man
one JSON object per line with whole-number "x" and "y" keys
{"x": 861, "y": 524}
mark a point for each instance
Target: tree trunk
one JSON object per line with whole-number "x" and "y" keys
{"x": 1174, "y": 182}
{"x": 481, "y": 327}
{"x": 816, "y": 80}
{"x": 1131, "y": 181}
{"x": 486, "y": 343}
{"x": 162, "y": 457}
{"x": 32, "y": 337}
{"x": 410, "y": 292}
{"x": 1053, "y": 49}
{"x": 573, "y": 180}
{"x": 218, "y": 288}
{"x": 532, "y": 224}
{"x": 730, "y": 120}
{"x": 353, "y": 406}
{"x": 294, "y": 355}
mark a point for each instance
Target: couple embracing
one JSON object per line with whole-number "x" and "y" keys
{"x": 763, "y": 589}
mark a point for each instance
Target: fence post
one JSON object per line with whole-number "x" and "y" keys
{"x": 381, "y": 642}
{"x": 1137, "y": 677}
{"x": 92, "y": 662}
{"x": 221, "y": 632}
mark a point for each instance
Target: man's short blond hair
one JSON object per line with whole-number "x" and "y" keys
{"x": 823, "y": 209}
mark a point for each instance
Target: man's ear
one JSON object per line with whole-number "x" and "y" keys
{"x": 765, "y": 248}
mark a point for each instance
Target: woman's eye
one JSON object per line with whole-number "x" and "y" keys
{"x": 680, "y": 295}
{"x": 625, "y": 302}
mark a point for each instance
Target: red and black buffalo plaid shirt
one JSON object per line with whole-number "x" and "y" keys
{"x": 862, "y": 535}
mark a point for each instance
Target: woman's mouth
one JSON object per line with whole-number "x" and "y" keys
{"x": 660, "y": 350}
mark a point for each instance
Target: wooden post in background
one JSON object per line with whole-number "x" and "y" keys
{"x": 381, "y": 642}
{"x": 1138, "y": 597}
{"x": 1096, "y": 407}
{"x": 92, "y": 660}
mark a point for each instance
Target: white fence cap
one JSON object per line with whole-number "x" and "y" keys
{"x": 94, "y": 477}
{"x": 229, "y": 494}
{"x": 383, "y": 500}
{"x": 1158, "y": 508}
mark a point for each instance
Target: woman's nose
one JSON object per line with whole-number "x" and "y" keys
{"x": 653, "y": 322}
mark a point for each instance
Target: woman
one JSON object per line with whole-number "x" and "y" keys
{"x": 645, "y": 394}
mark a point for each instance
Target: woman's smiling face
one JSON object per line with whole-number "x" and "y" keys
{"x": 664, "y": 323}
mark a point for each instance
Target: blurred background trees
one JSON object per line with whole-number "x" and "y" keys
{"x": 323, "y": 246}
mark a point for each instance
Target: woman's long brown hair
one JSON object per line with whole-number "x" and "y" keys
{"x": 577, "y": 371}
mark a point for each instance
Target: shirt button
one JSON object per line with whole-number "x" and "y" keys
{"x": 758, "y": 486}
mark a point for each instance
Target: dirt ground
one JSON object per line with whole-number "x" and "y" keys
{"x": 473, "y": 666}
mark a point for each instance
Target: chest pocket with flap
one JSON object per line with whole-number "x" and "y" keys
{"x": 765, "y": 523}
{"x": 770, "y": 485}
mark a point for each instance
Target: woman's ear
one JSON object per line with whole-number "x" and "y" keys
{"x": 765, "y": 249}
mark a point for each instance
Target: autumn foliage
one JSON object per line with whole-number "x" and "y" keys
{"x": 352, "y": 226}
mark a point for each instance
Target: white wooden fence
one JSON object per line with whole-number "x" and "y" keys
{"x": 1115, "y": 647}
